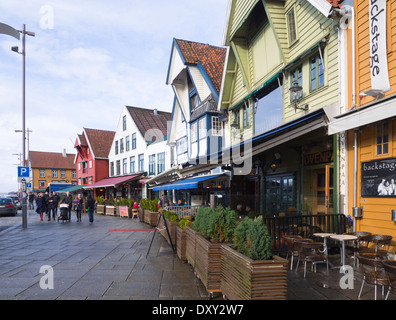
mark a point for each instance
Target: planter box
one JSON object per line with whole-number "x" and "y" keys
{"x": 150, "y": 217}
{"x": 208, "y": 263}
{"x": 111, "y": 210}
{"x": 245, "y": 279}
{"x": 171, "y": 227}
{"x": 100, "y": 209}
{"x": 181, "y": 243}
{"x": 190, "y": 245}
{"x": 141, "y": 215}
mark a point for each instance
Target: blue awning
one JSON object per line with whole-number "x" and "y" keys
{"x": 190, "y": 183}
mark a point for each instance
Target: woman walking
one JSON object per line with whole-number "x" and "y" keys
{"x": 79, "y": 207}
{"x": 40, "y": 203}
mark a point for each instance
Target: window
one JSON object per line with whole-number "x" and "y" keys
{"x": 90, "y": 164}
{"x": 245, "y": 115}
{"x": 54, "y": 173}
{"x": 161, "y": 162}
{"x": 280, "y": 193}
{"x": 63, "y": 174}
{"x": 132, "y": 164}
{"x": 216, "y": 127}
{"x": 134, "y": 141}
{"x": 382, "y": 138}
{"x": 84, "y": 166}
{"x": 317, "y": 72}
{"x": 237, "y": 120}
{"x": 296, "y": 78}
{"x": 291, "y": 26}
{"x": 121, "y": 145}
{"x": 42, "y": 174}
{"x": 74, "y": 175}
{"x": 202, "y": 128}
{"x": 181, "y": 145}
{"x": 118, "y": 167}
{"x": 124, "y": 166}
{"x": 194, "y": 100}
{"x": 42, "y": 184}
{"x": 124, "y": 126}
{"x": 116, "y": 147}
{"x": 112, "y": 169}
{"x": 152, "y": 165}
{"x": 194, "y": 132}
{"x": 141, "y": 162}
{"x": 127, "y": 143}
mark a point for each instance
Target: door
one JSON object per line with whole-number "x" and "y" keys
{"x": 324, "y": 190}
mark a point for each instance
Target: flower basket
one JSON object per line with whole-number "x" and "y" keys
{"x": 245, "y": 279}
{"x": 181, "y": 243}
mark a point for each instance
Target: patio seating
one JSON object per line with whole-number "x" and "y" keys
{"x": 310, "y": 252}
{"x": 289, "y": 242}
{"x": 381, "y": 245}
{"x": 360, "y": 243}
{"x": 390, "y": 270}
{"x": 373, "y": 271}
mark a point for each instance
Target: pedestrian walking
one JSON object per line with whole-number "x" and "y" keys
{"x": 31, "y": 200}
{"x": 46, "y": 206}
{"x": 90, "y": 208}
{"x": 56, "y": 200}
{"x": 67, "y": 199}
{"x": 79, "y": 207}
{"x": 40, "y": 203}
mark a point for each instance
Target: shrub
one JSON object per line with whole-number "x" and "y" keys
{"x": 252, "y": 239}
{"x": 174, "y": 218}
{"x": 100, "y": 200}
{"x": 182, "y": 224}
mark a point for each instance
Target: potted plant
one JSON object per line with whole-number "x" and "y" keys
{"x": 215, "y": 227}
{"x": 249, "y": 271}
{"x": 150, "y": 208}
{"x": 100, "y": 205}
{"x": 110, "y": 207}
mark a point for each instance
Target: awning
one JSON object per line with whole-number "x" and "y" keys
{"x": 368, "y": 114}
{"x": 190, "y": 183}
{"x": 112, "y": 182}
{"x": 71, "y": 189}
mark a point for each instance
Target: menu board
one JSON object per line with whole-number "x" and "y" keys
{"x": 379, "y": 178}
{"x": 123, "y": 211}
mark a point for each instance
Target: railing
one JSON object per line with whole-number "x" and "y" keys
{"x": 304, "y": 225}
{"x": 183, "y": 211}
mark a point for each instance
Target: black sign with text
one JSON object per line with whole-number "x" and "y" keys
{"x": 379, "y": 178}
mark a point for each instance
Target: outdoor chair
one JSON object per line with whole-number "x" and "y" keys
{"x": 360, "y": 243}
{"x": 289, "y": 242}
{"x": 135, "y": 213}
{"x": 373, "y": 272}
{"x": 310, "y": 252}
{"x": 381, "y": 245}
{"x": 390, "y": 271}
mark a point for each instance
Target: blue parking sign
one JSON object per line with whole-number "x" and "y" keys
{"x": 23, "y": 172}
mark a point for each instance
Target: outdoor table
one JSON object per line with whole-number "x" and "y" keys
{"x": 342, "y": 238}
{"x": 325, "y": 235}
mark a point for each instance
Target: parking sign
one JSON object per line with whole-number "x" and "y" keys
{"x": 23, "y": 172}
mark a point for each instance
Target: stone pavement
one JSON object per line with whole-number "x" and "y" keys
{"x": 90, "y": 262}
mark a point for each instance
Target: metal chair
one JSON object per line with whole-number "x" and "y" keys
{"x": 135, "y": 213}
{"x": 381, "y": 245}
{"x": 289, "y": 242}
{"x": 310, "y": 252}
{"x": 373, "y": 271}
{"x": 390, "y": 270}
{"x": 360, "y": 243}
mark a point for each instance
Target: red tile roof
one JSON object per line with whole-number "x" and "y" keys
{"x": 100, "y": 141}
{"x": 51, "y": 160}
{"x": 335, "y": 3}
{"x": 146, "y": 119}
{"x": 210, "y": 57}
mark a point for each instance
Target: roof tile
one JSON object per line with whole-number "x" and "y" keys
{"x": 51, "y": 160}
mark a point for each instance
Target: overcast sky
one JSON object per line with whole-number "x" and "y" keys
{"x": 90, "y": 58}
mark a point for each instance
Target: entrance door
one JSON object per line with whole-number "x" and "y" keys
{"x": 324, "y": 190}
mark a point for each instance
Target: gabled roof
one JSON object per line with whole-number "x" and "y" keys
{"x": 100, "y": 141}
{"x": 146, "y": 119}
{"x": 51, "y": 160}
{"x": 211, "y": 58}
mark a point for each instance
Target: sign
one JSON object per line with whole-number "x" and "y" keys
{"x": 123, "y": 211}
{"x": 378, "y": 55}
{"x": 23, "y": 172}
{"x": 379, "y": 178}
{"x": 318, "y": 158}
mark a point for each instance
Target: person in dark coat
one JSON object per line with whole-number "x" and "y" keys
{"x": 68, "y": 199}
{"x": 90, "y": 207}
{"x": 40, "y": 203}
{"x": 79, "y": 207}
{"x": 46, "y": 205}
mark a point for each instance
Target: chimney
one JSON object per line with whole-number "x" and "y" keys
{"x": 64, "y": 153}
{"x": 155, "y": 112}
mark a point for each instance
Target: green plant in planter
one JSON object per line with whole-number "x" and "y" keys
{"x": 182, "y": 224}
{"x": 100, "y": 200}
{"x": 174, "y": 218}
{"x": 111, "y": 202}
{"x": 251, "y": 238}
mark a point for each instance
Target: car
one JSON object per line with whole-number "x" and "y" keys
{"x": 7, "y": 207}
{"x": 17, "y": 202}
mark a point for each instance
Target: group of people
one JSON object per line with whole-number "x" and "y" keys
{"x": 386, "y": 188}
{"x": 48, "y": 204}
{"x": 242, "y": 213}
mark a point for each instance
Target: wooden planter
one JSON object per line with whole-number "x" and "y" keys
{"x": 208, "y": 263}
{"x": 245, "y": 279}
{"x": 151, "y": 217}
{"x": 190, "y": 245}
{"x": 141, "y": 215}
{"x": 110, "y": 210}
{"x": 181, "y": 243}
{"x": 100, "y": 209}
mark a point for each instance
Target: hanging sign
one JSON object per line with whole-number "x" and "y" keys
{"x": 378, "y": 55}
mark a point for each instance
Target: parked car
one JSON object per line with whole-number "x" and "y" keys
{"x": 7, "y": 207}
{"x": 17, "y": 202}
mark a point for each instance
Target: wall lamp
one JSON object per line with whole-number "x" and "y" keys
{"x": 295, "y": 89}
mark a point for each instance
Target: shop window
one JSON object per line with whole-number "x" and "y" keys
{"x": 281, "y": 193}
{"x": 382, "y": 138}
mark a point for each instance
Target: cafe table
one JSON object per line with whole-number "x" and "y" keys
{"x": 325, "y": 235}
{"x": 342, "y": 238}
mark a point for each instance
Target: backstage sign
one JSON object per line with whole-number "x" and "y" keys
{"x": 379, "y": 178}
{"x": 378, "y": 55}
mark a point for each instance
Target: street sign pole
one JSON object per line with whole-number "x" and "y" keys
{"x": 23, "y": 176}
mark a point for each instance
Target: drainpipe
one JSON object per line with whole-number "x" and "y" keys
{"x": 355, "y": 166}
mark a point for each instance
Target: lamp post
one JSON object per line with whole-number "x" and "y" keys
{"x": 26, "y": 138}
{"x": 8, "y": 30}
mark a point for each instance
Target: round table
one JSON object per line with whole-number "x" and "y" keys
{"x": 324, "y": 236}
{"x": 342, "y": 238}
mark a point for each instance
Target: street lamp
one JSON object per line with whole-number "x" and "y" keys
{"x": 28, "y": 139}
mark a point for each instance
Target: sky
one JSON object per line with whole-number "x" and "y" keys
{"x": 88, "y": 59}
